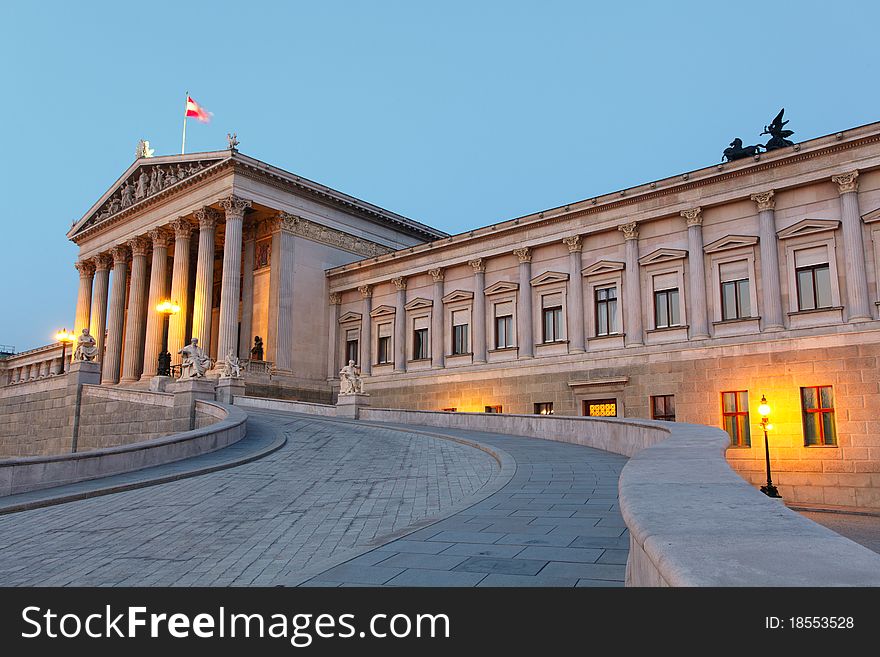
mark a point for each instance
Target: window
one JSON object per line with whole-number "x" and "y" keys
{"x": 735, "y": 411}
{"x": 666, "y": 308}
{"x": 600, "y": 408}
{"x": 351, "y": 346}
{"x": 735, "y": 300}
{"x": 420, "y": 338}
{"x": 503, "y": 331}
{"x": 493, "y": 409}
{"x": 544, "y": 408}
{"x": 663, "y": 407}
{"x": 552, "y": 324}
{"x": 814, "y": 287}
{"x": 383, "y": 351}
{"x": 606, "y": 310}
{"x": 820, "y": 427}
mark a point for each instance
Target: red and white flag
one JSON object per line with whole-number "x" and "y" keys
{"x": 196, "y": 111}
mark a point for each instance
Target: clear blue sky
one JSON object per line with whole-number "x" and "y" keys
{"x": 458, "y": 114}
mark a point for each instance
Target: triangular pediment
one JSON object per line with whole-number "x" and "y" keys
{"x": 731, "y": 242}
{"x": 382, "y": 311}
{"x": 662, "y": 255}
{"x": 872, "y": 216}
{"x": 603, "y": 267}
{"x": 350, "y": 317}
{"x": 419, "y": 303}
{"x": 501, "y": 286}
{"x": 549, "y": 277}
{"x": 147, "y": 179}
{"x": 808, "y": 227}
{"x": 458, "y": 295}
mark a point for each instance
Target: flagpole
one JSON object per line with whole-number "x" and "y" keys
{"x": 183, "y": 143}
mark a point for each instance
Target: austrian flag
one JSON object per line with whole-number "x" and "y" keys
{"x": 196, "y": 111}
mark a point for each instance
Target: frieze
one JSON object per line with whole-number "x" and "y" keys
{"x": 329, "y": 236}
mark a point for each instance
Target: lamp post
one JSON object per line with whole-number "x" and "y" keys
{"x": 65, "y": 337}
{"x": 166, "y": 308}
{"x": 764, "y": 409}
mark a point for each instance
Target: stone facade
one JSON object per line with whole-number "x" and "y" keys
{"x": 122, "y": 417}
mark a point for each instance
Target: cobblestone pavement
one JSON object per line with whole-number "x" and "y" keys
{"x": 332, "y": 488}
{"x": 862, "y": 529}
{"x": 556, "y": 523}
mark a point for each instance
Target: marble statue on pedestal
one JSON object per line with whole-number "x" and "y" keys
{"x": 350, "y": 381}
{"x": 231, "y": 367}
{"x": 86, "y": 347}
{"x": 195, "y": 362}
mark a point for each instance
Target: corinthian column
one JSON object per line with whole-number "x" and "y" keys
{"x": 575, "y": 295}
{"x": 335, "y": 301}
{"x": 201, "y": 324}
{"x": 479, "y": 319}
{"x": 98, "y": 316}
{"x": 526, "y": 342}
{"x": 231, "y": 282}
{"x": 366, "y": 329}
{"x": 698, "y": 319}
{"x": 858, "y": 302}
{"x": 134, "y": 326}
{"x": 280, "y": 338}
{"x": 632, "y": 288}
{"x": 86, "y": 271}
{"x": 438, "y": 358}
{"x": 771, "y": 295}
{"x": 115, "y": 316}
{"x": 158, "y": 287}
{"x": 179, "y": 285}
{"x": 247, "y": 291}
{"x": 400, "y": 325}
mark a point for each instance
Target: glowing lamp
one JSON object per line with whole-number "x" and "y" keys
{"x": 65, "y": 336}
{"x": 168, "y": 307}
{"x": 764, "y": 408}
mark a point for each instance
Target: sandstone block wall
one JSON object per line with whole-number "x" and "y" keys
{"x": 35, "y": 418}
{"x": 111, "y": 417}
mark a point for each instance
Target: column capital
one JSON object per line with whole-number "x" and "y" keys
{"x": 234, "y": 206}
{"x": 335, "y": 299}
{"x": 139, "y": 246}
{"x": 478, "y": 264}
{"x": 630, "y": 231}
{"x": 765, "y": 200}
{"x": 573, "y": 243}
{"x": 207, "y": 218}
{"x": 120, "y": 254}
{"x": 437, "y": 274}
{"x": 524, "y": 254}
{"x": 102, "y": 261}
{"x": 847, "y": 182}
{"x": 399, "y": 282}
{"x": 181, "y": 227}
{"x": 160, "y": 238}
{"x": 86, "y": 268}
{"x": 366, "y": 291}
{"x": 693, "y": 216}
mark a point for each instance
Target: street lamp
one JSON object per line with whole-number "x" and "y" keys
{"x": 65, "y": 337}
{"x": 764, "y": 409}
{"x": 166, "y": 308}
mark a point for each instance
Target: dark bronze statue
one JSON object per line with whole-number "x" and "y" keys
{"x": 257, "y": 349}
{"x": 737, "y": 151}
{"x": 777, "y": 134}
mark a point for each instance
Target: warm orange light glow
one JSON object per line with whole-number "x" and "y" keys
{"x": 168, "y": 307}
{"x": 65, "y": 336}
{"x": 769, "y": 427}
{"x": 764, "y": 408}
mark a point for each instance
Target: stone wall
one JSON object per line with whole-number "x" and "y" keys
{"x": 309, "y": 408}
{"x": 110, "y": 417}
{"x": 35, "y": 418}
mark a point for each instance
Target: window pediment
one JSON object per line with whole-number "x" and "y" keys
{"x": 872, "y": 216}
{"x": 663, "y": 255}
{"x": 458, "y": 295}
{"x": 419, "y": 303}
{"x": 730, "y": 242}
{"x": 500, "y": 287}
{"x": 382, "y": 311}
{"x": 808, "y": 227}
{"x": 549, "y": 277}
{"x": 603, "y": 267}
{"x": 350, "y": 317}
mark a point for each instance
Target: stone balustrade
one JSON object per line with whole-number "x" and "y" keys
{"x": 33, "y": 365}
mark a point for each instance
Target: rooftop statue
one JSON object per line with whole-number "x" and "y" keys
{"x": 777, "y": 133}
{"x": 737, "y": 151}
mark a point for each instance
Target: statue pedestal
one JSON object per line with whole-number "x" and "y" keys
{"x": 160, "y": 383}
{"x": 84, "y": 372}
{"x": 186, "y": 393}
{"x": 228, "y": 389}
{"x": 348, "y": 406}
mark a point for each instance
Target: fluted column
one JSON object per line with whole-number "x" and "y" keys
{"x": 280, "y": 338}
{"x": 137, "y": 312}
{"x": 333, "y": 365}
{"x": 201, "y": 322}
{"x": 632, "y": 288}
{"x": 698, "y": 317}
{"x": 438, "y": 358}
{"x": 576, "y": 343}
{"x": 858, "y": 301}
{"x": 86, "y": 270}
{"x": 525, "y": 341}
{"x": 478, "y": 321}
{"x": 400, "y": 325}
{"x": 247, "y": 291}
{"x": 230, "y": 285}
{"x": 771, "y": 294}
{"x": 115, "y": 316}
{"x": 158, "y": 287}
{"x": 98, "y": 315}
{"x": 366, "y": 329}
{"x": 179, "y": 286}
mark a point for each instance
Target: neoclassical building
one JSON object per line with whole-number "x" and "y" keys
{"x": 687, "y": 299}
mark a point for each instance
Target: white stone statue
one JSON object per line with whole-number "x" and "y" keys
{"x": 231, "y": 367}
{"x": 350, "y": 382}
{"x": 86, "y": 347}
{"x": 195, "y": 362}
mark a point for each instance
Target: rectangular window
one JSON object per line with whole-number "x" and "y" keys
{"x": 460, "y": 322}
{"x": 666, "y": 308}
{"x": 383, "y": 344}
{"x": 735, "y": 299}
{"x": 735, "y": 411}
{"x": 493, "y": 409}
{"x": 544, "y": 408}
{"x": 352, "y": 350}
{"x": 814, "y": 287}
{"x": 606, "y": 310}
{"x": 503, "y": 331}
{"x": 600, "y": 408}
{"x": 820, "y": 427}
{"x": 552, "y": 324}
{"x": 663, "y": 407}
{"x": 420, "y": 338}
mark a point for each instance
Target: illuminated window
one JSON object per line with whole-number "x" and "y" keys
{"x": 663, "y": 407}
{"x": 493, "y": 409}
{"x": 820, "y": 427}
{"x": 544, "y": 408}
{"x": 600, "y": 408}
{"x": 735, "y": 411}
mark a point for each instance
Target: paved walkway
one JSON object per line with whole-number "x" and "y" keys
{"x": 863, "y": 529}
